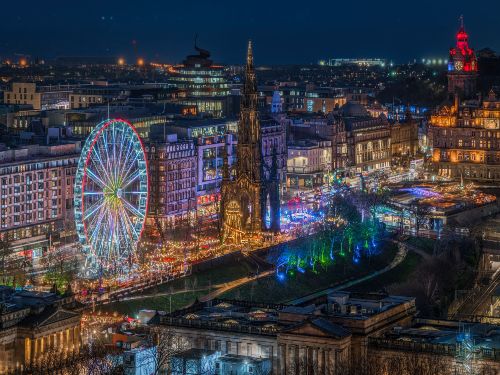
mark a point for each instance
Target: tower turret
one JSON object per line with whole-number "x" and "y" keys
{"x": 462, "y": 66}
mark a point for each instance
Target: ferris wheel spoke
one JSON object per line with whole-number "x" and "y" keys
{"x": 105, "y": 143}
{"x": 119, "y": 167}
{"x": 96, "y": 153}
{"x": 129, "y": 223}
{"x": 97, "y": 237}
{"x": 96, "y": 178}
{"x": 131, "y": 179}
{"x": 132, "y": 209}
{"x": 124, "y": 229}
{"x": 130, "y": 150}
{"x": 129, "y": 169}
{"x": 98, "y": 166}
{"x": 85, "y": 193}
{"x": 115, "y": 161}
{"x": 93, "y": 209}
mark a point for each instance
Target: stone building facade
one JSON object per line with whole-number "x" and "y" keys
{"x": 172, "y": 169}
{"x": 317, "y": 336}
{"x": 34, "y": 325}
{"x": 37, "y": 191}
{"x": 360, "y": 142}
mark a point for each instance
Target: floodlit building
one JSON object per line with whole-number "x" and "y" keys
{"x": 39, "y": 97}
{"x": 361, "y": 143}
{"x": 195, "y": 361}
{"x": 36, "y": 201}
{"x": 308, "y": 163}
{"x": 172, "y": 170}
{"x": 462, "y": 66}
{"x": 465, "y": 134}
{"x": 204, "y": 84}
{"x": 325, "y": 333}
{"x": 404, "y": 138}
{"x": 450, "y": 347}
{"x": 36, "y": 324}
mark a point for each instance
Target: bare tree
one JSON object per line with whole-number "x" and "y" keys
{"x": 421, "y": 215}
{"x": 167, "y": 344}
{"x": 5, "y": 253}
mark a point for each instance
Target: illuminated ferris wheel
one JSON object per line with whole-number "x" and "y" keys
{"x": 111, "y": 197}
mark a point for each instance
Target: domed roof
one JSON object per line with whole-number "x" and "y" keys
{"x": 353, "y": 109}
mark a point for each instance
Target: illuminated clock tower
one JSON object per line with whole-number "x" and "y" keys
{"x": 462, "y": 66}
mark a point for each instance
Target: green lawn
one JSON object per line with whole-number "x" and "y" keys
{"x": 425, "y": 244}
{"x": 296, "y": 284}
{"x": 131, "y": 308}
{"x": 201, "y": 280}
{"x": 397, "y": 275}
{"x": 234, "y": 270}
{"x": 270, "y": 289}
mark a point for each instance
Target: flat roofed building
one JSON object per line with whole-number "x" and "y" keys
{"x": 466, "y": 139}
{"x": 39, "y": 97}
{"x": 451, "y": 347}
{"x": 172, "y": 169}
{"x": 203, "y": 82}
{"x": 324, "y": 332}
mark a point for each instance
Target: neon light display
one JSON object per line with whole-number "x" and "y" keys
{"x": 111, "y": 197}
{"x": 324, "y": 251}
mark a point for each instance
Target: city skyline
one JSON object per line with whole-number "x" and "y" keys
{"x": 181, "y": 194}
{"x": 165, "y": 32}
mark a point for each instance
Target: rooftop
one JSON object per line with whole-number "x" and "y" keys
{"x": 270, "y": 319}
{"x": 444, "y": 337}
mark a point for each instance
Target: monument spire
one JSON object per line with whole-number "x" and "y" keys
{"x": 250, "y": 87}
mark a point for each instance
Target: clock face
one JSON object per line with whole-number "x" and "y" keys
{"x": 459, "y": 65}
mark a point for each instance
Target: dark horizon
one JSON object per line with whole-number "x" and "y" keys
{"x": 283, "y": 33}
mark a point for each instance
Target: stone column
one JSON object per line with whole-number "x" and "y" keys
{"x": 293, "y": 360}
{"x": 321, "y": 361}
{"x": 303, "y": 360}
{"x": 282, "y": 359}
{"x": 315, "y": 362}
{"x": 32, "y": 350}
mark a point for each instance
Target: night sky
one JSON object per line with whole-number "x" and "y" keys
{"x": 284, "y": 32}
